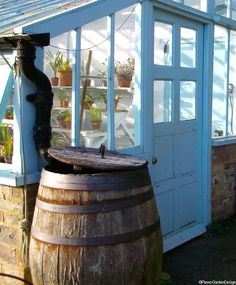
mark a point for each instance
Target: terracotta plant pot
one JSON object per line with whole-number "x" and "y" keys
{"x": 64, "y": 103}
{"x": 68, "y": 124}
{"x": 54, "y": 81}
{"x": 124, "y": 81}
{"x": 88, "y": 105}
{"x": 96, "y": 125}
{"x": 65, "y": 77}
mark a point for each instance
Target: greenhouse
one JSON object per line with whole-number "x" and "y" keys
{"x": 154, "y": 79}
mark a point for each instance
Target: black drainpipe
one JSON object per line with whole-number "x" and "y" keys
{"x": 42, "y": 99}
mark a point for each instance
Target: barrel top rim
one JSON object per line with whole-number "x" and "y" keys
{"x": 91, "y": 158}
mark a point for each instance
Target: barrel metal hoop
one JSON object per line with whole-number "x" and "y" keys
{"x": 96, "y": 208}
{"x": 104, "y": 182}
{"x": 96, "y": 241}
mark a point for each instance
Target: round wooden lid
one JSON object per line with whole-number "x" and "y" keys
{"x": 93, "y": 158}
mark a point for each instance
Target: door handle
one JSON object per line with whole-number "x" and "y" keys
{"x": 154, "y": 160}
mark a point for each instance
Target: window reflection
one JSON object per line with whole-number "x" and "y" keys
{"x": 126, "y": 93}
{"x": 163, "y": 44}
{"x": 219, "y": 102}
{"x": 221, "y": 7}
{"x": 188, "y": 48}
{"x": 162, "y": 110}
{"x": 232, "y": 86}
{"x": 187, "y": 100}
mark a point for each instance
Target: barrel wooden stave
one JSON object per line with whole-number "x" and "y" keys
{"x": 135, "y": 262}
{"x": 70, "y": 265}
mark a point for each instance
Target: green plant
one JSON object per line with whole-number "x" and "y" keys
{"x": 65, "y": 64}
{"x": 88, "y": 101}
{"x": 65, "y": 115}
{"x": 7, "y": 142}
{"x": 54, "y": 61}
{"x": 125, "y": 69}
{"x": 95, "y": 114}
{"x": 9, "y": 113}
{"x": 63, "y": 95}
{"x": 103, "y": 97}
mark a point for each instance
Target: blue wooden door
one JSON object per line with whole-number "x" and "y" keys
{"x": 177, "y": 113}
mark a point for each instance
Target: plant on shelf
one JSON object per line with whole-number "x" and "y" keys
{"x": 124, "y": 72}
{"x": 65, "y": 72}
{"x": 54, "y": 61}
{"x": 103, "y": 97}
{"x": 64, "y": 119}
{"x": 7, "y": 148}
{"x": 95, "y": 117}
{"x": 88, "y": 102}
{"x": 9, "y": 113}
{"x": 64, "y": 98}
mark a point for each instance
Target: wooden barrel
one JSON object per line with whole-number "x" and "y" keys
{"x": 96, "y": 229}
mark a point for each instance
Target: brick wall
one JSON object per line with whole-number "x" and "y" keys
{"x": 223, "y": 182}
{"x": 11, "y": 215}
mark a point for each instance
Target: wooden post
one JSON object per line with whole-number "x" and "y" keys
{"x": 85, "y": 85}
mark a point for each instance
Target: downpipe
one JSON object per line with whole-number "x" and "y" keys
{"x": 42, "y": 99}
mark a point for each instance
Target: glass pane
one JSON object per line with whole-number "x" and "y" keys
{"x": 221, "y": 7}
{"x": 126, "y": 93}
{"x": 162, "y": 44}
{"x": 188, "y": 48}
{"x": 233, "y": 9}
{"x": 232, "y": 86}
{"x": 58, "y": 66}
{"x": 187, "y": 100}
{"x": 193, "y": 3}
{"x": 93, "y": 83}
{"x": 219, "y": 100}
{"x": 61, "y": 117}
{"x": 162, "y": 101}
{"x": 6, "y": 125}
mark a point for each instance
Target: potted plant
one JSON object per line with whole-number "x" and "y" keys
{"x": 54, "y": 61}
{"x": 65, "y": 72}
{"x": 9, "y": 113}
{"x": 95, "y": 117}
{"x": 7, "y": 149}
{"x": 64, "y": 119}
{"x": 88, "y": 102}
{"x": 103, "y": 97}
{"x": 124, "y": 72}
{"x": 64, "y": 99}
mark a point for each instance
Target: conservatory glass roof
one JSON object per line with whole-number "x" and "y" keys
{"x": 21, "y": 12}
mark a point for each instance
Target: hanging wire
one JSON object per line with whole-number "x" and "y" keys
{"x": 103, "y": 41}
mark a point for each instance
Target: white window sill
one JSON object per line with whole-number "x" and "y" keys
{"x": 223, "y": 141}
